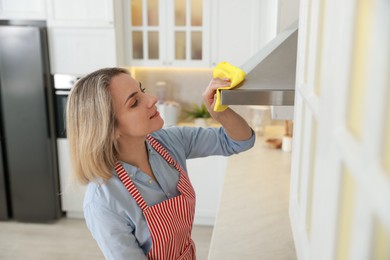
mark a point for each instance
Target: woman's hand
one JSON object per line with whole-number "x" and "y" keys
{"x": 235, "y": 126}
{"x": 209, "y": 94}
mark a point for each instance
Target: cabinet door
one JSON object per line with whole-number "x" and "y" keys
{"x": 23, "y": 9}
{"x": 72, "y": 193}
{"x": 207, "y": 175}
{"x": 145, "y": 32}
{"x": 80, "y": 51}
{"x": 188, "y": 23}
{"x": 241, "y": 28}
{"x": 85, "y": 13}
{"x": 167, "y": 32}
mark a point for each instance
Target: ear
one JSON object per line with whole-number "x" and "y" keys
{"x": 117, "y": 134}
{"x": 114, "y": 137}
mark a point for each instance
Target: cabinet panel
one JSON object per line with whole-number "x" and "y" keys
{"x": 232, "y": 37}
{"x": 241, "y": 28}
{"x": 167, "y": 32}
{"x": 80, "y": 51}
{"x": 23, "y": 9}
{"x": 207, "y": 175}
{"x": 72, "y": 193}
{"x": 188, "y": 41}
{"x": 144, "y": 32}
{"x": 90, "y": 13}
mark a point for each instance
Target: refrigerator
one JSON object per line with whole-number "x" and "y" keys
{"x": 29, "y": 182}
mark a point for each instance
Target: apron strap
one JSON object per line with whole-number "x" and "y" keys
{"x": 185, "y": 183}
{"x": 164, "y": 153}
{"x": 130, "y": 185}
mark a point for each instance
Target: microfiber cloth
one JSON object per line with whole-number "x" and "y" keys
{"x": 236, "y": 76}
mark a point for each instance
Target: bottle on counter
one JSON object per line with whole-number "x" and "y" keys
{"x": 161, "y": 91}
{"x": 169, "y": 110}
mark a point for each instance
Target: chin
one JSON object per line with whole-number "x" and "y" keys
{"x": 160, "y": 124}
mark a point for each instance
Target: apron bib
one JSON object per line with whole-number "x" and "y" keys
{"x": 170, "y": 222}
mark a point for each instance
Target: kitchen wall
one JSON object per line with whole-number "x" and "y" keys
{"x": 183, "y": 85}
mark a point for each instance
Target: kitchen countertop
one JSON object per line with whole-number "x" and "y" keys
{"x": 252, "y": 220}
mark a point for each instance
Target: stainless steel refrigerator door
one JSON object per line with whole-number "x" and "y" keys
{"x": 4, "y": 214}
{"x": 32, "y": 175}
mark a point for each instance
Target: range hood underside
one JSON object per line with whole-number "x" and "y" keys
{"x": 270, "y": 76}
{"x": 258, "y": 97}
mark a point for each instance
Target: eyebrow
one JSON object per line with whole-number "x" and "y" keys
{"x": 132, "y": 94}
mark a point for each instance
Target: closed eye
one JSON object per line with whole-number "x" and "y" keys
{"x": 134, "y": 104}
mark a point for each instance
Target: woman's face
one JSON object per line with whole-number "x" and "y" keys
{"x": 135, "y": 111}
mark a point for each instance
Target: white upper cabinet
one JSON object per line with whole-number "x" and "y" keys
{"x": 84, "y": 13}
{"x": 81, "y": 50}
{"x": 171, "y": 33}
{"x": 241, "y": 28}
{"x": 23, "y": 9}
{"x": 83, "y": 36}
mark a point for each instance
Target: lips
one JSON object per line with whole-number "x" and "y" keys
{"x": 154, "y": 115}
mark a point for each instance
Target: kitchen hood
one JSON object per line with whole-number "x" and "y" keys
{"x": 270, "y": 78}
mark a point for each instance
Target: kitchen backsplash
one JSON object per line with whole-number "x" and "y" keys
{"x": 184, "y": 86}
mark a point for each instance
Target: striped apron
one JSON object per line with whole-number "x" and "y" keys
{"x": 170, "y": 222}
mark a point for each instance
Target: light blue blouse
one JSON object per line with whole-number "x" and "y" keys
{"x": 115, "y": 220}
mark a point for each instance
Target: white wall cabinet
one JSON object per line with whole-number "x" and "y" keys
{"x": 75, "y": 13}
{"x": 80, "y": 51}
{"x": 207, "y": 176}
{"x": 241, "y": 28}
{"x": 23, "y": 9}
{"x": 167, "y": 33}
{"x": 84, "y": 35}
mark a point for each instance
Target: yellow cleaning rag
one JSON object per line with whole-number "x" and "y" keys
{"x": 226, "y": 70}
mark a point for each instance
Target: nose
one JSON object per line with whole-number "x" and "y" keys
{"x": 152, "y": 100}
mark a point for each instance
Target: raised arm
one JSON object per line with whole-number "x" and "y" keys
{"x": 235, "y": 126}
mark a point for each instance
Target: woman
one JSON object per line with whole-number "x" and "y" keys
{"x": 139, "y": 201}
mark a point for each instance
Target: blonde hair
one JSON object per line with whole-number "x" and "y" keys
{"x": 90, "y": 126}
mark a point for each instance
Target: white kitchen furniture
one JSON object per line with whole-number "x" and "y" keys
{"x": 76, "y": 13}
{"x": 240, "y": 28}
{"x": 152, "y": 33}
{"x": 167, "y": 33}
{"x": 23, "y": 9}
{"x": 72, "y": 193}
{"x": 207, "y": 176}
{"x": 191, "y": 33}
{"x": 84, "y": 35}
{"x": 78, "y": 51}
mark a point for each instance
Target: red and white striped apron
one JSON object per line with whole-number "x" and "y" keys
{"x": 170, "y": 222}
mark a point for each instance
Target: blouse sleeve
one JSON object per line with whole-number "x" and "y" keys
{"x": 202, "y": 142}
{"x": 113, "y": 234}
